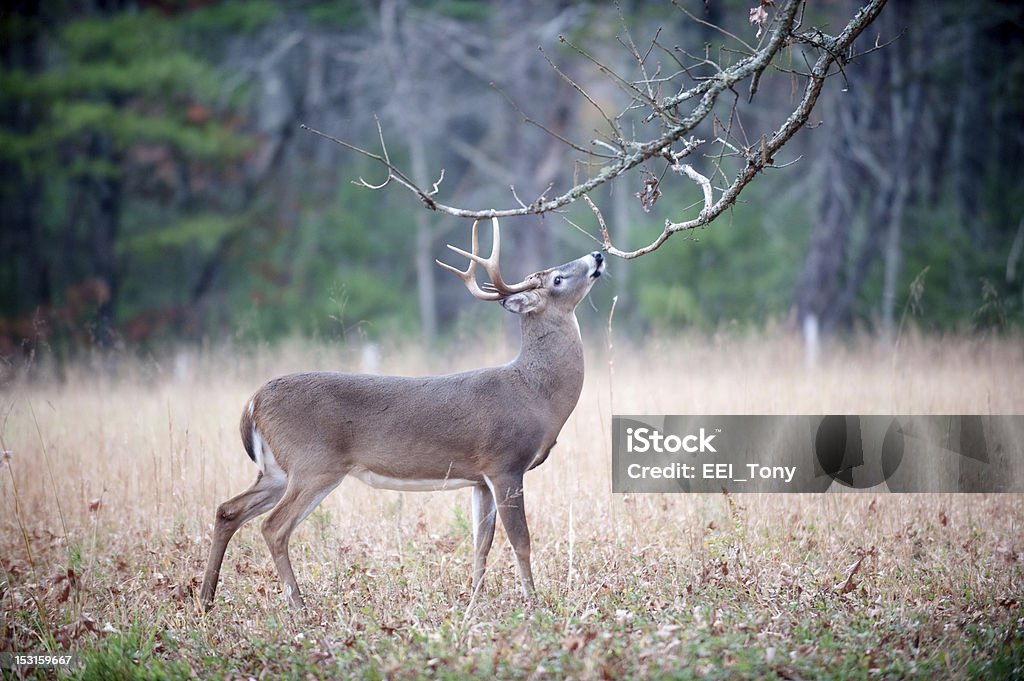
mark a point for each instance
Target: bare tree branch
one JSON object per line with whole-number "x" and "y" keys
{"x": 541, "y": 126}
{"x": 833, "y": 52}
{"x": 583, "y": 93}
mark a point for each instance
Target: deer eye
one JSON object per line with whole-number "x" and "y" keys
{"x": 558, "y": 280}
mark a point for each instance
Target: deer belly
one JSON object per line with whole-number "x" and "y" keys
{"x": 407, "y": 484}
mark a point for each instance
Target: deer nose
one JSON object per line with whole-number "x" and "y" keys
{"x": 598, "y": 256}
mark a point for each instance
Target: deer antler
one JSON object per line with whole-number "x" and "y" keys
{"x": 497, "y": 288}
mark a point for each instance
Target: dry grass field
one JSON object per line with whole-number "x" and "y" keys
{"x": 108, "y": 493}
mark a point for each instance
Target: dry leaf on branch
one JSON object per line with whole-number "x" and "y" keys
{"x": 650, "y": 194}
{"x": 759, "y": 15}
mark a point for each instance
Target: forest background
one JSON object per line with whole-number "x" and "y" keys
{"x": 156, "y": 187}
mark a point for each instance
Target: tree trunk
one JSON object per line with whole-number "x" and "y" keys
{"x": 423, "y": 256}
{"x": 26, "y": 281}
{"x": 870, "y": 162}
{"x": 104, "y": 232}
{"x": 821, "y": 278}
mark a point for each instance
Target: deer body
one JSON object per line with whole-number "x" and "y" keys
{"x": 483, "y": 428}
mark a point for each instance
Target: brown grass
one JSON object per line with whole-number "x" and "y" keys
{"x": 117, "y": 479}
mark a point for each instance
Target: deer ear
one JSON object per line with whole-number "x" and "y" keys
{"x": 522, "y": 303}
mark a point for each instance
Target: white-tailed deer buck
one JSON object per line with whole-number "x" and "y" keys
{"x": 483, "y": 428}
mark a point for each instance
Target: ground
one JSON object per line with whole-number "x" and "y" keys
{"x": 108, "y": 495}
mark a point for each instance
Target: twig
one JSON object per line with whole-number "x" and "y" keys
{"x": 387, "y": 159}
{"x": 579, "y": 88}
{"x": 878, "y": 45}
{"x": 632, "y": 91}
{"x": 583, "y": 231}
{"x": 611, "y": 357}
{"x": 393, "y": 172}
{"x": 606, "y": 239}
{"x": 540, "y": 126}
{"x": 515, "y": 196}
{"x": 669, "y": 54}
{"x": 602, "y": 143}
{"x": 714, "y": 27}
{"x": 437, "y": 185}
{"x": 631, "y": 46}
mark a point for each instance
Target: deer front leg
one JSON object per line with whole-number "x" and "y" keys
{"x": 508, "y": 494}
{"x": 484, "y": 515}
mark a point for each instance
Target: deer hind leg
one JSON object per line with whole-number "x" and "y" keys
{"x": 300, "y": 498}
{"x": 508, "y": 493}
{"x": 231, "y": 515}
{"x": 484, "y": 515}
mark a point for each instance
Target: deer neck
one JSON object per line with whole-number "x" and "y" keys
{"x": 550, "y": 359}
